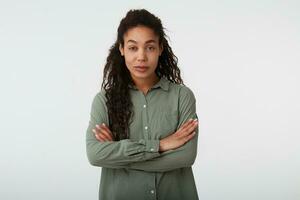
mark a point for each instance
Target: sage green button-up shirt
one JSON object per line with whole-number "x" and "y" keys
{"x": 134, "y": 169}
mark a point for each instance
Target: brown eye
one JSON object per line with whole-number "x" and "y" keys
{"x": 132, "y": 48}
{"x": 151, "y": 48}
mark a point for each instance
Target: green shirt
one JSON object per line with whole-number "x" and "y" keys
{"x": 134, "y": 169}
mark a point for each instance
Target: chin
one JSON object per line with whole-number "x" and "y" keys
{"x": 141, "y": 75}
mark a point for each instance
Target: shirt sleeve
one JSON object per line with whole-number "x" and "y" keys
{"x": 183, "y": 156}
{"x": 114, "y": 154}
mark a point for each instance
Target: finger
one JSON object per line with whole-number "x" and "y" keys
{"x": 98, "y": 138}
{"x": 187, "y": 123}
{"x": 105, "y": 129}
{"x": 98, "y": 135}
{"x": 107, "y": 138}
{"x": 192, "y": 127}
{"x": 189, "y": 128}
{"x": 103, "y": 137}
{"x": 101, "y": 131}
{"x": 189, "y": 137}
{"x": 95, "y": 131}
{"x": 98, "y": 128}
{"x": 106, "y": 134}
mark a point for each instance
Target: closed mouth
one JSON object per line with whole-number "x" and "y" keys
{"x": 142, "y": 67}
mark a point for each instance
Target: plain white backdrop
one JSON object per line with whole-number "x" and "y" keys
{"x": 240, "y": 58}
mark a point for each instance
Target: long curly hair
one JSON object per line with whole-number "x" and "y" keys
{"x": 117, "y": 78}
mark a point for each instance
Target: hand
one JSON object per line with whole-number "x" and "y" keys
{"x": 102, "y": 133}
{"x": 180, "y": 137}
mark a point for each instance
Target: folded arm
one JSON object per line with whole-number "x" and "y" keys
{"x": 115, "y": 154}
{"x": 183, "y": 156}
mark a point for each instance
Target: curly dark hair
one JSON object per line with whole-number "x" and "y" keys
{"x": 117, "y": 78}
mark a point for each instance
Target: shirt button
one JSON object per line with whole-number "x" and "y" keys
{"x": 152, "y": 191}
{"x": 144, "y": 106}
{"x": 151, "y": 149}
{"x": 146, "y": 127}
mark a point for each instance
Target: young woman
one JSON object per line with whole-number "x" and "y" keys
{"x": 143, "y": 125}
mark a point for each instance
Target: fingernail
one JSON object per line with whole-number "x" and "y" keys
{"x": 196, "y": 119}
{"x": 103, "y": 124}
{"x": 93, "y": 130}
{"x": 97, "y": 126}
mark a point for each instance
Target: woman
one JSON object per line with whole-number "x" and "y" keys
{"x": 143, "y": 126}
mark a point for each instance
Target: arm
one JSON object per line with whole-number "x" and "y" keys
{"x": 183, "y": 156}
{"x": 114, "y": 154}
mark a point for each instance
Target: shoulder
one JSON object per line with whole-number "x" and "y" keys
{"x": 183, "y": 91}
{"x": 99, "y": 98}
{"x": 101, "y": 94}
{"x": 99, "y": 108}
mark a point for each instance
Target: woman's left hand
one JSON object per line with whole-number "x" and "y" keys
{"x": 102, "y": 133}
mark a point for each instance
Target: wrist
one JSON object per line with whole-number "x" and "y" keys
{"x": 161, "y": 146}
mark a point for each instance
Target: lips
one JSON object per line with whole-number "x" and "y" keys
{"x": 141, "y": 68}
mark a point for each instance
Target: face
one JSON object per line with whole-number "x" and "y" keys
{"x": 141, "y": 52}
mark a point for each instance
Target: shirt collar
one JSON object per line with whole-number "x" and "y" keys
{"x": 162, "y": 83}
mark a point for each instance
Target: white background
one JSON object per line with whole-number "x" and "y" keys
{"x": 240, "y": 58}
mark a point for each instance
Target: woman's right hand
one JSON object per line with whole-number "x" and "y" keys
{"x": 180, "y": 137}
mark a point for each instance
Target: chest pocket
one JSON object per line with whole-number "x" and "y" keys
{"x": 165, "y": 124}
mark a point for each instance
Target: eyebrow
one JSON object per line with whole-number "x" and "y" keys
{"x": 148, "y": 41}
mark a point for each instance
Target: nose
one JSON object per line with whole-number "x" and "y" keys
{"x": 141, "y": 56}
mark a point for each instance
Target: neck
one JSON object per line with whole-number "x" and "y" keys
{"x": 145, "y": 84}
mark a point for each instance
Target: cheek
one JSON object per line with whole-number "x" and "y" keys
{"x": 154, "y": 59}
{"x": 129, "y": 61}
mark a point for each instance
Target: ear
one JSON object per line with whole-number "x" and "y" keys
{"x": 121, "y": 50}
{"x": 161, "y": 48}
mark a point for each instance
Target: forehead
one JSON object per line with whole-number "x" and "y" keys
{"x": 140, "y": 35}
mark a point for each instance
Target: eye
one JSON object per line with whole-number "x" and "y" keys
{"x": 132, "y": 48}
{"x": 151, "y": 48}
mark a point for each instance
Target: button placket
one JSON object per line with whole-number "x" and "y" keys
{"x": 145, "y": 116}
